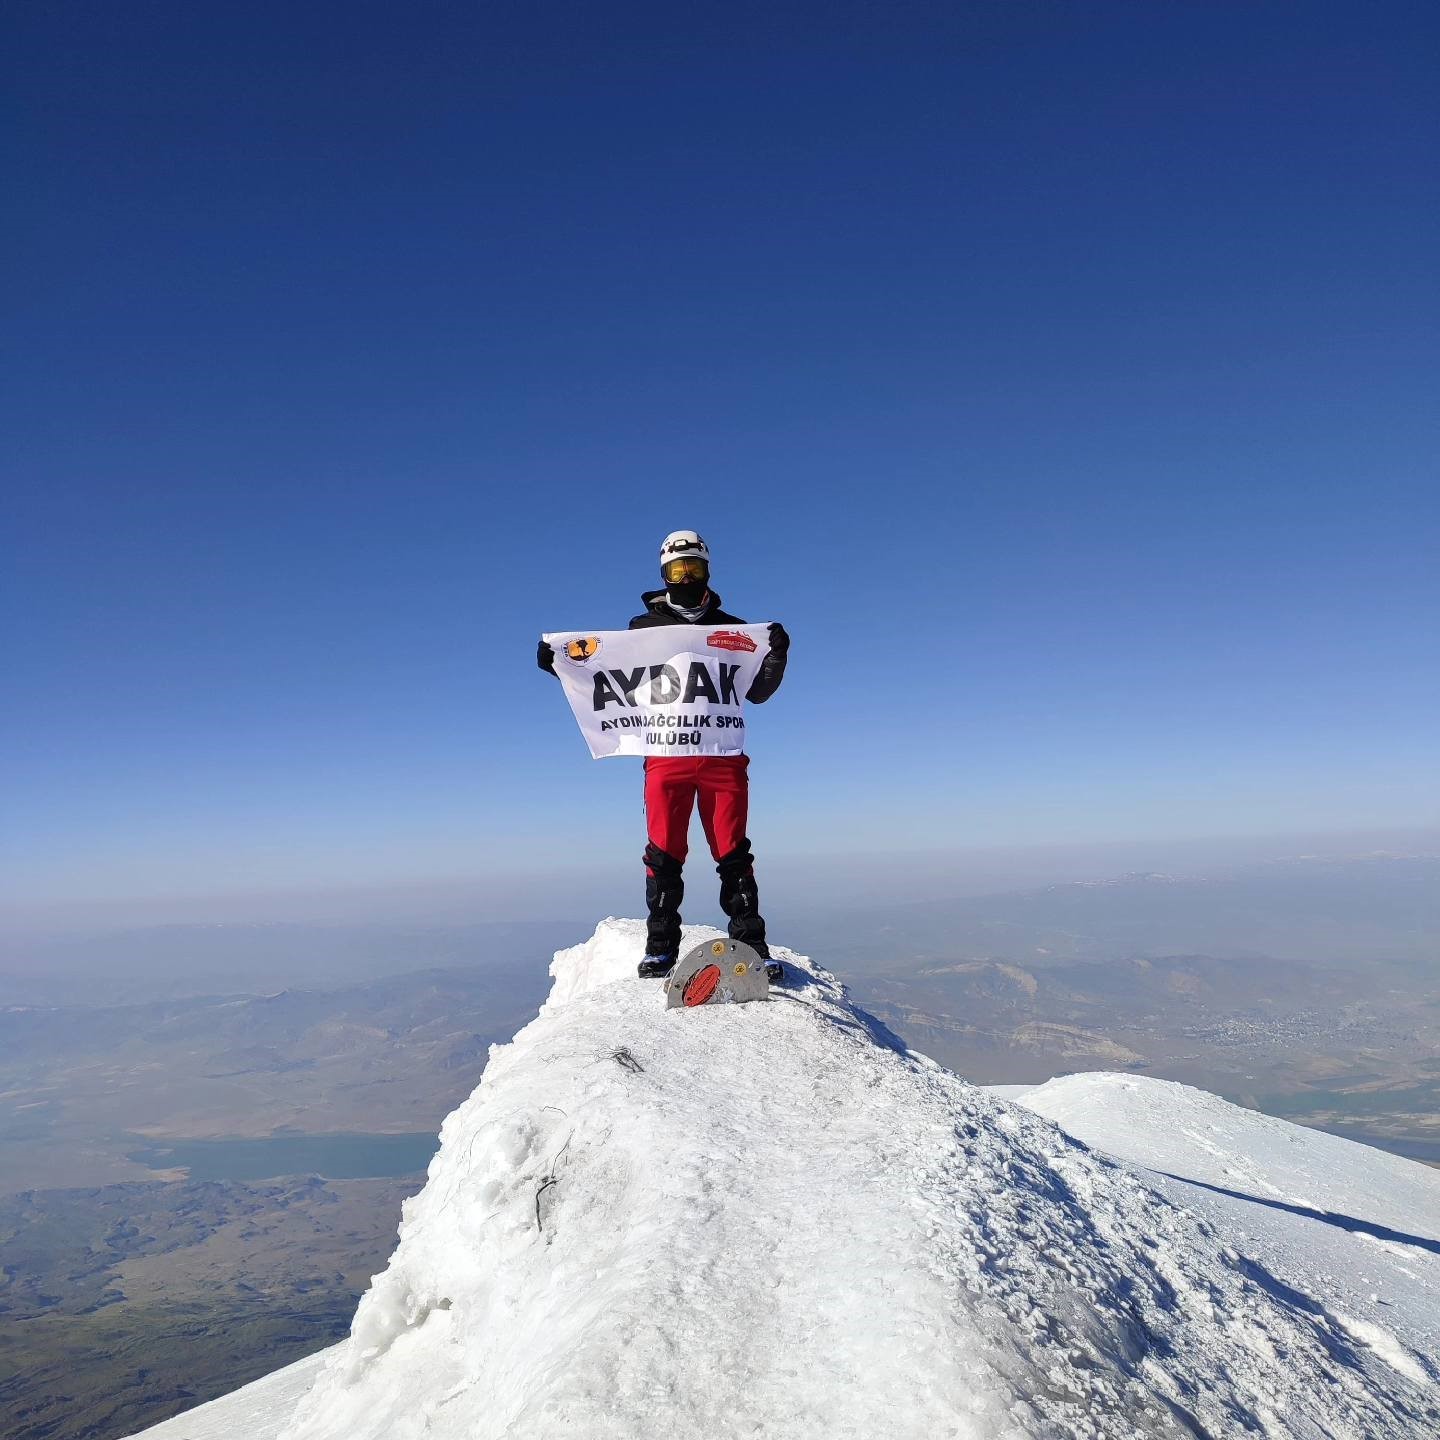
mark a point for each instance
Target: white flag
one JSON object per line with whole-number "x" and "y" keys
{"x": 665, "y": 690}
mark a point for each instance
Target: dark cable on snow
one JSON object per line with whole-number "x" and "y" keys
{"x": 545, "y": 1184}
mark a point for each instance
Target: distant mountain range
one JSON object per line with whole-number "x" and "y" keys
{"x": 1311, "y": 908}
{"x": 128, "y": 966}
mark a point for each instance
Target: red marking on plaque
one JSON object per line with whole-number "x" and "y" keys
{"x": 731, "y": 640}
{"x": 701, "y": 985}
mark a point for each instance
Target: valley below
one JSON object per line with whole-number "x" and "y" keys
{"x": 196, "y": 1191}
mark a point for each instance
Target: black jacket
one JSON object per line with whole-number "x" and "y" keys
{"x": 657, "y": 612}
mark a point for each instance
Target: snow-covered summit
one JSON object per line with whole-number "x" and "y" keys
{"x": 775, "y": 1220}
{"x": 771, "y": 1219}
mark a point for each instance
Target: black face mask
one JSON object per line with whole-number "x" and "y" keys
{"x": 688, "y": 593}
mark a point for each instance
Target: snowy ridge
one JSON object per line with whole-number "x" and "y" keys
{"x": 1354, "y": 1229}
{"x": 253, "y": 1412}
{"x": 622, "y": 1236}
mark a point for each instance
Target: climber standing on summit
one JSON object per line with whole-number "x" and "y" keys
{"x": 719, "y": 783}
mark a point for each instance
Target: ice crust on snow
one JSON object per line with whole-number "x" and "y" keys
{"x": 772, "y": 1219}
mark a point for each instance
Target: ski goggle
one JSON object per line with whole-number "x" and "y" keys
{"x": 685, "y": 567}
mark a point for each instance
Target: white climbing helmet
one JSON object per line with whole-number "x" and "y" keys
{"x": 680, "y": 543}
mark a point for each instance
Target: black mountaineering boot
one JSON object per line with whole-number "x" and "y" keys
{"x": 774, "y": 970}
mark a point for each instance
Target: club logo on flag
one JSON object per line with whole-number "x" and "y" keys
{"x": 583, "y": 649}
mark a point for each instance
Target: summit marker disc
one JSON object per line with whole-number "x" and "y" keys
{"x": 716, "y": 972}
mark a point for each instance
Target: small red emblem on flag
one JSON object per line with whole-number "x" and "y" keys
{"x": 731, "y": 640}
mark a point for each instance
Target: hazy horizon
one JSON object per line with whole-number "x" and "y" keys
{"x": 802, "y": 883}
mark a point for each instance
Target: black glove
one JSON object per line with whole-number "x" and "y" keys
{"x": 545, "y": 656}
{"x": 779, "y": 639}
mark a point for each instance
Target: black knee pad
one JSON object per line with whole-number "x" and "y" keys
{"x": 662, "y": 864}
{"x": 738, "y": 862}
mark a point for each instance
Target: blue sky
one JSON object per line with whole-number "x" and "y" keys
{"x": 1063, "y": 376}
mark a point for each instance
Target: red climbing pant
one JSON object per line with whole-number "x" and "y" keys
{"x": 673, "y": 785}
